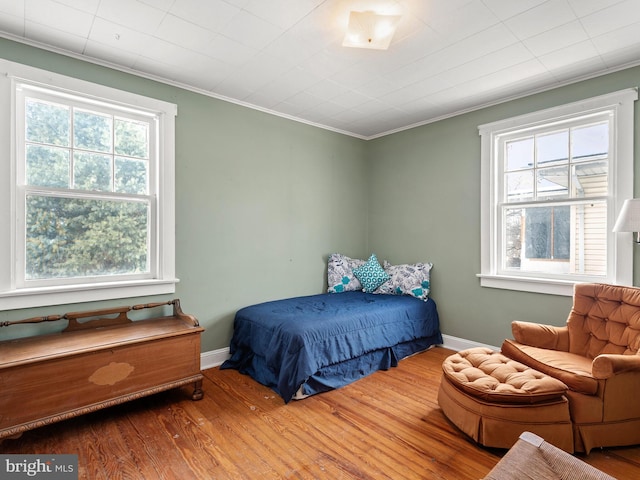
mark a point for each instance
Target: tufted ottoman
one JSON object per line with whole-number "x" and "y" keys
{"x": 493, "y": 399}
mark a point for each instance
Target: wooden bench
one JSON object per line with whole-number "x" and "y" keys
{"x": 95, "y": 363}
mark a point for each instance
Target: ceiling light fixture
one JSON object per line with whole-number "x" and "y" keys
{"x": 370, "y": 30}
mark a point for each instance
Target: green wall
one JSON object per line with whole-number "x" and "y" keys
{"x": 424, "y": 205}
{"x": 261, "y": 201}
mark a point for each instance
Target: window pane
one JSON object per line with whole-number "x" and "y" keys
{"x": 132, "y": 138}
{"x": 513, "y": 238}
{"x": 547, "y": 233}
{"x": 560, "y": 239}
{"x": 591, "y": 140}
{"x": 553, "y": 182}
{"x": 552, "y": 148}
{"x": 92, "y": 131}
{"x": 47, "y": 123}
{"x": 589, "y": 251}
{"x": 519, "y": 154}
{"x": 69, "y": 237}
{"x": 47, "y": 166}
{"x": 519, "y": 186}
{"x": 538, "y": 232}
{"x": 92, "y": 171}
{"x": 132, "y": 176}
{"x": 590, "y": 179}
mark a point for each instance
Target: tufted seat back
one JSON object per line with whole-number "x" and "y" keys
{"x": 604, "y": 319}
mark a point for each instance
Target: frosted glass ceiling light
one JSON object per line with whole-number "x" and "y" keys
{"x": 370, "y": 30}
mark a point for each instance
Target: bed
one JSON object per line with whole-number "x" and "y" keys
{"x": 307, "y": 345}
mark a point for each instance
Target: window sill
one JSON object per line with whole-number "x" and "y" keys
{"x": 65, "y": 294}
{"x": 528, "y": 284}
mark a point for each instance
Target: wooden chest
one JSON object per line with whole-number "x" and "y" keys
{"x": 95, "y": 364}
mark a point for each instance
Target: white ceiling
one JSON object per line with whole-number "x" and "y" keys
{"x": 285, "y": 56}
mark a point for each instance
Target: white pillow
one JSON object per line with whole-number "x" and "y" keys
{"x": 340, "y": 277}
{"x": 407, "y": 279}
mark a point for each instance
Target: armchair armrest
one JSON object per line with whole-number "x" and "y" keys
{"x": 541, "y": 336}
{"x": 607, "y": 365}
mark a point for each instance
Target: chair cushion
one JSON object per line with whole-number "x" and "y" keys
{"x": 489, "y": 375}
{"x": 572, "y": 369}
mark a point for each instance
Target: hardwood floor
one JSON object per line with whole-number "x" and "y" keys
{"x": 385, "y": 426}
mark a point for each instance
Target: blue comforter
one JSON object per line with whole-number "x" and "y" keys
{"x": 285, "y": 343}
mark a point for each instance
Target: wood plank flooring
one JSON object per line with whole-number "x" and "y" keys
{"x": 385, "y": 426}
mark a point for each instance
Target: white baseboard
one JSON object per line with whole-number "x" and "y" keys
{"x": 215, "y": 358}
{"x": 457, "y": 344}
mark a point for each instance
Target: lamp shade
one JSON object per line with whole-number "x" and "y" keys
{"x": 629, "y": 218}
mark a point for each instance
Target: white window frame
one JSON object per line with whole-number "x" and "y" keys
{"x": 13, "y": 293}
{"x": 619, "y": 246}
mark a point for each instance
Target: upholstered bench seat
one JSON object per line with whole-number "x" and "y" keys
{"x": 486, "y": 374}
{"x": 493, "y": 399}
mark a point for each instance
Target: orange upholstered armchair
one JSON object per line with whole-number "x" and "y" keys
{"x": 597, "y": 356}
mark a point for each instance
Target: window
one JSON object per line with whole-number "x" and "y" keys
{"x": 552, "y": 184}
{"x": 89, "y": 191}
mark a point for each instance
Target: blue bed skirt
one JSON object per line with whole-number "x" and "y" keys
{"x": 320, "y": 342}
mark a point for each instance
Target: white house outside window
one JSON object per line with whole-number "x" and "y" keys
{"x": 553, "y": 182}
{"x": 90, "y": 191}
